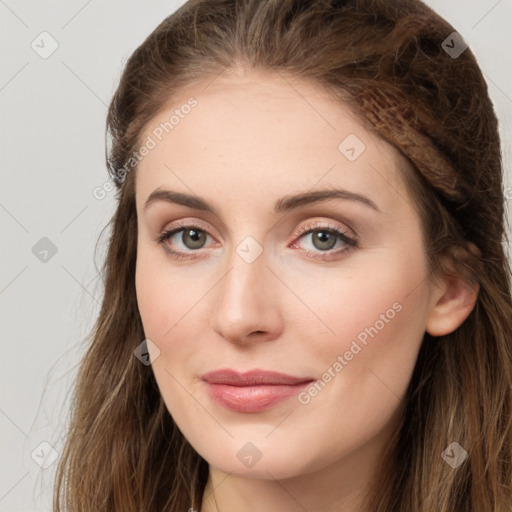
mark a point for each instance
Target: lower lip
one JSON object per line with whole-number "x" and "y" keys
{"x": 252, "y": 398}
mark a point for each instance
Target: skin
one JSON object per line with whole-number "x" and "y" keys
{"x": 254, "y": 138}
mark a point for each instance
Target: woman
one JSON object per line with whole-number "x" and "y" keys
{"x": 307, "y": 301}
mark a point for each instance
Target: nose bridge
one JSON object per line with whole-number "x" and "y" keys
{"x": 245, "y": 300}
{"x": 244, "y": 284}
{"x": 247, "y": 262}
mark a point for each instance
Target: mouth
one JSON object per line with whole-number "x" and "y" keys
{"x": 253, "y": 391}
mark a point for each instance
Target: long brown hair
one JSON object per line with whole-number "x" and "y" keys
{"x": 389, "y": 60}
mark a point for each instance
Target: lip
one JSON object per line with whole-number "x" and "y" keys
{"x": 253, "y": 391}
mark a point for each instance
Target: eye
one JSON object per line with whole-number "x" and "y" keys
{"x": 187, "y": 238}
{"x": 329, "y": 240}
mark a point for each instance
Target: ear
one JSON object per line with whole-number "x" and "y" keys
{"x": 453, "y": 297}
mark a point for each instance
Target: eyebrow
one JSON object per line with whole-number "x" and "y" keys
{"x": 284, "y": 204}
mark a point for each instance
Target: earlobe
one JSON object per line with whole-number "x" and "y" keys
{"x": 453, "y": 301}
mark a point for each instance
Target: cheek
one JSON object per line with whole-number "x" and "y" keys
{"x": 366, "y": 357}
{"x": 151, "y": 300}
{"x": 362, "y": 302}
{"x": 163, "y": 311}
{"x": 163, "y": 296}
{"x": 376, "y": 324}
{"x": 172, "y": 316}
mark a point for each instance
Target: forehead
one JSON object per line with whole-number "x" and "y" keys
{"x": 263, "y": 133}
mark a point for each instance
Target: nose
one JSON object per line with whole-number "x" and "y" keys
{"x": 246, "y": 302}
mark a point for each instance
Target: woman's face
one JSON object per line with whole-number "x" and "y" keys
{"x": 297, "y": 251}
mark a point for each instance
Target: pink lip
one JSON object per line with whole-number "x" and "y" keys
{"x": 253, "y": 391}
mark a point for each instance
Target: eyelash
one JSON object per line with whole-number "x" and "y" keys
{"x": 351, "y": 242}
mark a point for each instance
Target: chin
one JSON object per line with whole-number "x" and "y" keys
{"x": 263, "y": 460}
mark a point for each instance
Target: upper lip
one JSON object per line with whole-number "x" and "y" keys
{"x": 252, "y": 378}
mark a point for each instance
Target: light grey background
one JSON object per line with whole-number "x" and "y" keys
{"x": 52, "y": 123}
